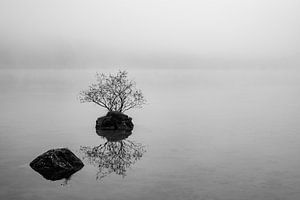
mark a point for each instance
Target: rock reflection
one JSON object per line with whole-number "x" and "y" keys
{"x": 116, "y": 155}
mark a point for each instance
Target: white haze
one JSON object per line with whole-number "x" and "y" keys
{"x": 147, "y": 34}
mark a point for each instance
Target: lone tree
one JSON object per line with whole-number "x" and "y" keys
{"x": 115, "y": 92}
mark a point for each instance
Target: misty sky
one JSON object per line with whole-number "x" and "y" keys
{"x": 152, "y": 33}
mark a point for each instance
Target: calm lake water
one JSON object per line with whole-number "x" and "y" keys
{"x": 207, "y": 134}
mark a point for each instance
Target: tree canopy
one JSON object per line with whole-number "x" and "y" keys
{"x": 115, "y": 92}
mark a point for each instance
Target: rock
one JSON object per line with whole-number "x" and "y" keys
{"x": 113, "y": 135}
{"x": 57, "y": 164}
{"x": 114, "y": 121}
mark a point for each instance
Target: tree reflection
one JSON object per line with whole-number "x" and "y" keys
{"x": 116, "y": 155}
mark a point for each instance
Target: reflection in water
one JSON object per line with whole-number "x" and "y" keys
{"x": 113, "y": 135}
{"x": 116, "y": 155}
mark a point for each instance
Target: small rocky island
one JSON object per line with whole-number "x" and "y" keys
{"x": 114, "y": 120}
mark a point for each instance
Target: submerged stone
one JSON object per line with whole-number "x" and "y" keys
{"x": 57, "y": 164}
{"x": 114, "y": 121}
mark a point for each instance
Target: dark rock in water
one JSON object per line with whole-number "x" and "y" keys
{"x": 114, "y": 121}
{"x": 57, "y": 164}
{"x": 113, "y": 135}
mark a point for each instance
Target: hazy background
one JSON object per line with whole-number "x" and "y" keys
{"x": 221, "y": 78}
{"x": 147, "y": 34}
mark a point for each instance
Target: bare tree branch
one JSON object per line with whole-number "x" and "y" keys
{"x": 115, "y": 92}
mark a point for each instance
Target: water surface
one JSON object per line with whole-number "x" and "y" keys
{"x": 208, "y": 134}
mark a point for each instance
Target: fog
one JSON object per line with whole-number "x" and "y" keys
{"x": 149, "y": 34}
{"x": 222, "y": 84}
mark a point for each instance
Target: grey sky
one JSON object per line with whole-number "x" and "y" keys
{"x": 199, "y": 33}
